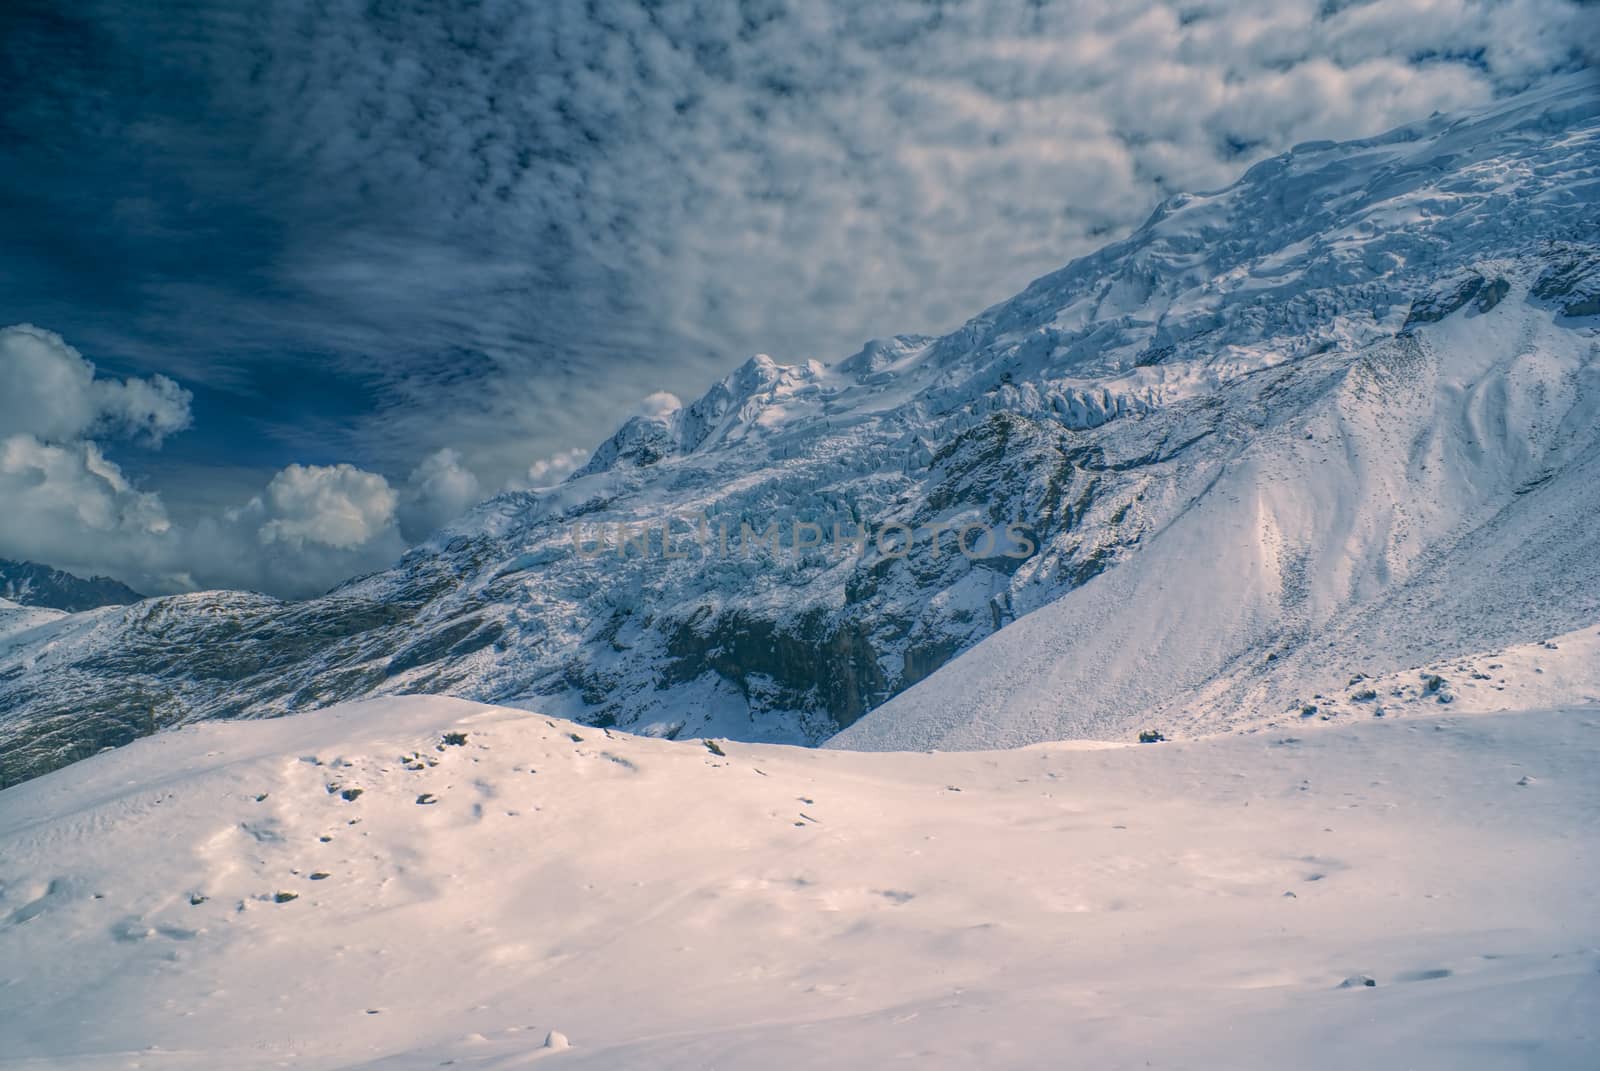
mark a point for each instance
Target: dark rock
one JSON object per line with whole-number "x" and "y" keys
{"x": 1435, "y": 307}
{"x": 32, "y": 584}
{"x": 1492, "y": 294}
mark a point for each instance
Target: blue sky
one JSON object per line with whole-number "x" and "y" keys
{"x": 397, "y": 256}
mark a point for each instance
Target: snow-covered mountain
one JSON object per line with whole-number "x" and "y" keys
{"x": 1342, "y": 417}
{"x": 32, "y": 584}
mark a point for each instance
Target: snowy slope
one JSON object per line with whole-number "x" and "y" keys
{"x": 17, "y": 622}
{"x": 1436, "y": 495}
{"x": 1529, "y": 676}
{"x": 345, "y": 889}
{"x": 1341, "y": 413}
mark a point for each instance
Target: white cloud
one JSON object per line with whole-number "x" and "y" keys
{"x": 312, "y": 527}
{"x": 69, "y": 506}
{"x": 147, "y": 410}
{"x": 549, "y": 471}
{"x": 64, "y": 501}
{"x": 309, "y": 528}
{"x": 439, "y": 490}
{"x": 49, "y": 390}
{"x": 661, "y": 403}
{"x": 336, "y": 506}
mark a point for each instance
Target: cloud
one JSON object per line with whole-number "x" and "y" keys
{"x": 49, "y": 391}
{"x": 309, "y": 528}
{"x": 438, "y": 491}
{"x": 65, "y": 502}
{"x": 69, "y": 506}
{"x": 494, "y": 226}
{"x": 549, "y": 471}
{"x": 312, "y": 527}
{"x": 336, "y": 506}
{"x": 147, "y": 410}
{"x": 661, "y": 403}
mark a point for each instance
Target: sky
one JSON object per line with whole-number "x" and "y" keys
{"x": 290, "y": 285}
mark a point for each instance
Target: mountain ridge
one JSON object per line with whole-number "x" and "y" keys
{"x": 32, "y": 584}
{"x": 1102, "y": 406}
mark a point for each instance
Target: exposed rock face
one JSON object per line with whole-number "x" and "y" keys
{"x": 31, "y": 584}
{"x": 1571, "y": 281}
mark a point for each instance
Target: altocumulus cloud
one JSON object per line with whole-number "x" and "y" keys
{"x": 681, "y": 183}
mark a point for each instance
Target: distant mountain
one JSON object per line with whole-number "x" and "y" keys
{"x": 32, "y": 584}
{"x": 1342, "y": 416}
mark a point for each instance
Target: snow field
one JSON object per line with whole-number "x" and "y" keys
{"x": 348, "y": 889}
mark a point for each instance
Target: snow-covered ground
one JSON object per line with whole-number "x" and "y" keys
{"x": 1561, "y": 671}
{"x": 17, "y": 622}
{"x": 1215, "y": 903}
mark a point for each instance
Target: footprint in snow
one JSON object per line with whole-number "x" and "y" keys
{"x": 1321, "y": 867}
{"x": 57, "y": 889}
{"x": 262, "y": 832}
